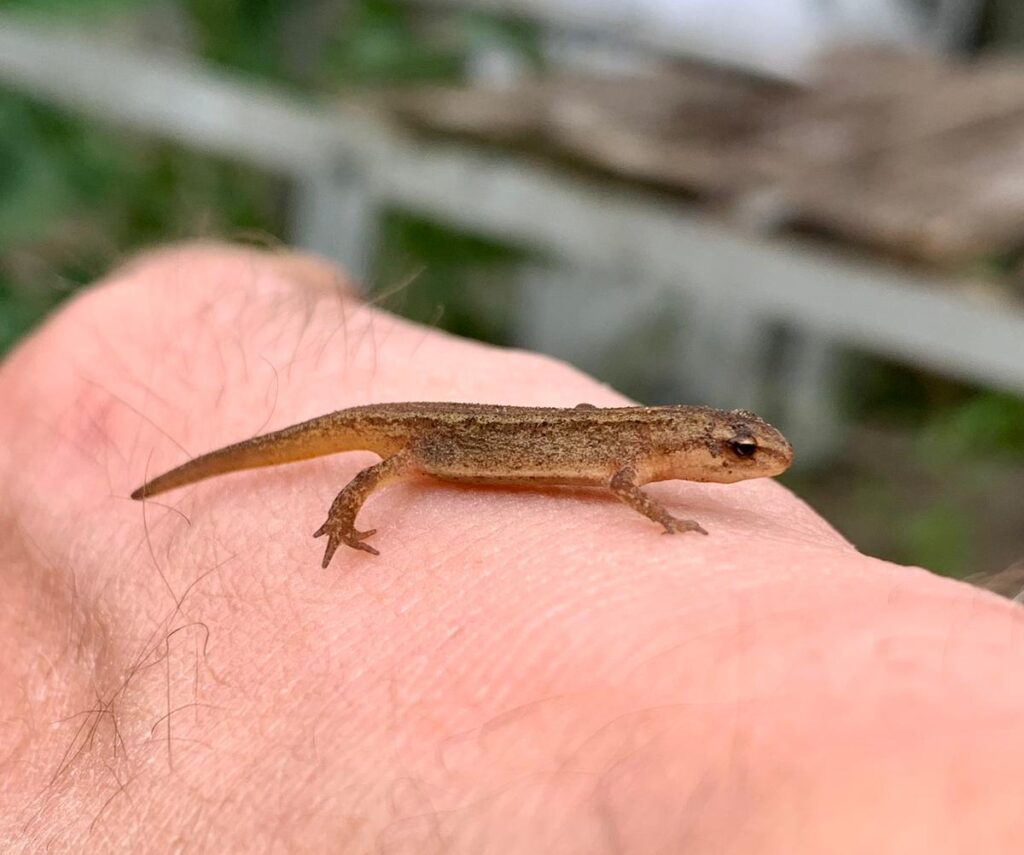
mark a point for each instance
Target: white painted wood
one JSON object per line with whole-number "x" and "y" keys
{"x": 808, "y": 401}
{"x": 335, "y": 215}
{"x": 620, "y": 329}
{"x": 722, "y": 355}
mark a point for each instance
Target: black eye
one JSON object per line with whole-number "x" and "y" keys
{"x": 744, "y": 447}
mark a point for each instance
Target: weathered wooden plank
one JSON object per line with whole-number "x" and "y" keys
{"x": 904, "y": 154}
{"x": 681, "y": 129}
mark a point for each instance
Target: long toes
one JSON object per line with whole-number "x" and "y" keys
{"x": 332, "y": 547}
{"x": 337, "y": 534}
{"x": 365, "y": 547}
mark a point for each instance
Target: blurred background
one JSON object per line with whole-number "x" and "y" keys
{"x": 809, "y": 208}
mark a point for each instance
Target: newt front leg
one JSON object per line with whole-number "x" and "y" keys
{"x": 624, "y": 485}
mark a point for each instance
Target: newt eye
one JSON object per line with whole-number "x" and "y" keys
{"x": 743, "y": 446}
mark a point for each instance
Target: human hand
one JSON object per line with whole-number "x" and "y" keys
{"x": 517, "y": 672}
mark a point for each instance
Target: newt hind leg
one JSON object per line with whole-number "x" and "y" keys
{"x": 624, "y": 485}
{"x": 340, "y": 526}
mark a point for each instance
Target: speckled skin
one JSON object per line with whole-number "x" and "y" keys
{"x": 616, "y": 448}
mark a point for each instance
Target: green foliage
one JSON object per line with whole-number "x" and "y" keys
{"x": 939, "y": 537}
{"x": 19, "y": 312}
{"x": 443, "y": 265}
{"x": 379, "y": 43}
{"x": 520, "y": 37}
{"x": 242, "y": 34}
{"x": 70, "y": 11}
{"x": 33, "y": 193}
{"x": 988, "y": 424}
{"x": 952, "y": 420}
{"x": 388, "y": 41}
{"x": 74, "y": 197}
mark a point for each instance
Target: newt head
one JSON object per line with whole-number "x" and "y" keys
{"x": 721, "y": 446}
{"x": 745, "y": 446}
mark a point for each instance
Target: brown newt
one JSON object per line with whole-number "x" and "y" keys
{"x": 618, "y": 448}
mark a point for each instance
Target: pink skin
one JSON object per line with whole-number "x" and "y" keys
{"x": 517, "y": 671}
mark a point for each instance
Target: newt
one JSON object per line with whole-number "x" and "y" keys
{"x": 616, "y": 448}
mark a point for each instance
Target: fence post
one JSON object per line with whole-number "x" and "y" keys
{"x": 335, "y": 215}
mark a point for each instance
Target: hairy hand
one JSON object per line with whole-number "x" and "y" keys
{"x": 517, "y": 672}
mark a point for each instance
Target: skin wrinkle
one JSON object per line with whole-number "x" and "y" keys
{"x": 792, "y": 688}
